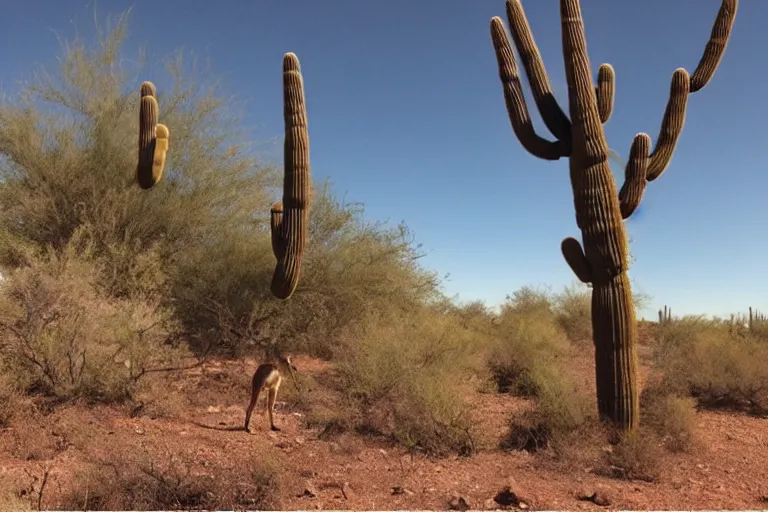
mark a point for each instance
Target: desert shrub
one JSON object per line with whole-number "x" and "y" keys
{"x": 404, "y": 378}
{"x": 10, "y": 500}
{"x": 560, "y": 411}
{"x": 138, "y": 483}
{"x": 759, "y": 330}
{"x": 634, "y": 457}
{"x": 573, "y": 307}
{"x": 352, "y": 267}
{"x": 68, "y": 338}
{"x": 68, "y": 160}
{"x": 672, "y": 418}
{"x": 710, "y": 362}
{"x": 529, "y": 301}
{"x": 528, "y": 344}
{"x": 9, "y": 398}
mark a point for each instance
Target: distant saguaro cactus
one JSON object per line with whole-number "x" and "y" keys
{"x": 153, "y": 139}
{"x": 665, "y": 315}
{"x": 755, "y": 318}
{"x": 600, "y": 208}
{"x": 289, "y": 218}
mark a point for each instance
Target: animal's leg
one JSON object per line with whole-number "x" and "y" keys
{"x": 249, "y": 410}
{"x": 271, "y": 408}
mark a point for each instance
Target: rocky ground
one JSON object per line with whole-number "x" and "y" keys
{"x": 195, "y": 436}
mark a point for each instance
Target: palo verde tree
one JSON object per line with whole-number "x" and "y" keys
{"x": 602, "y": 258}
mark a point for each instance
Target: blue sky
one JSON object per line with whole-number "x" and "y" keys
{"x": 406, "y": 115}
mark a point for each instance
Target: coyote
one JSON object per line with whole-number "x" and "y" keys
{"x": 267, "y": 376}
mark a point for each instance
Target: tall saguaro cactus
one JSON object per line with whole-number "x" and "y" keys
{"x": 600, "y": 207}
{"x": 289, "y": 218}
{"x": 153, "y": 139}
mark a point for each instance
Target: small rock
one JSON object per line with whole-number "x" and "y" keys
{"x": 307, "y": 474}
{"x": 139, "y": 431}
{"x": 401, "y": 490}
{"x": 598, "y": 498}
{"x": 458, "y": 503}
{"x": 506, "y": 497}
{"x": 299, "y": 441}
{"x": 309, "y": 490}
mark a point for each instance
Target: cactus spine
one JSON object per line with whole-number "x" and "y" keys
{"x": 153, "y": 139}
{"x": 600, "y": 208}
{"x": 289, "y": 218}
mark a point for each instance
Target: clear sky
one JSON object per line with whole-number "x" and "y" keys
{"x": 406, "y": 114}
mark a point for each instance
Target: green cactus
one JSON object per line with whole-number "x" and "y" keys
{"x": 289, "y": 218}
{"x": 600, "y": 208}
{"x": 153, "y": 139}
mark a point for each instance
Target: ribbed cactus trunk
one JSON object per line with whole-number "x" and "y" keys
{"x": 289, "y": 218}
{"x": 615, "y": 334}
{"x": 598, "y": 214}
{"x": 600, "y": 207}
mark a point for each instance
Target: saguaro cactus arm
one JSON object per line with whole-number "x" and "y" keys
{"x": 290, "y": 220}
{"x": 554, "y": 117}
{"x": 276, "y": 227}
{"x": 718, "y": 40}
{"x": 605, "y": 91}
{"x": 574, "y": 256}
{"x": 516, "y": 104}
{"x": 631, "y": 192}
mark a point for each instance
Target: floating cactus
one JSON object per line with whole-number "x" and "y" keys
{"x": 153, "y": 139}
{"x": 600, "y": 208}
{"x": 289, "y": 218}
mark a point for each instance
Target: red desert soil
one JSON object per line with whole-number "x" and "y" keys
{"x": 728, "y": 471}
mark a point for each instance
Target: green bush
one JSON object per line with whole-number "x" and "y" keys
{"x": 67, "y": 338}
{"x": 672, "y": 418}
{"x": 529, "y": 342}
{"x": 573, "y": 307}
{"x": 634, "y": 457}
{"x": 712, "y": 363}
{"x": 405, "y": 379}
{"x": 128, "y": 482}
{"x": 560, "y": 412}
